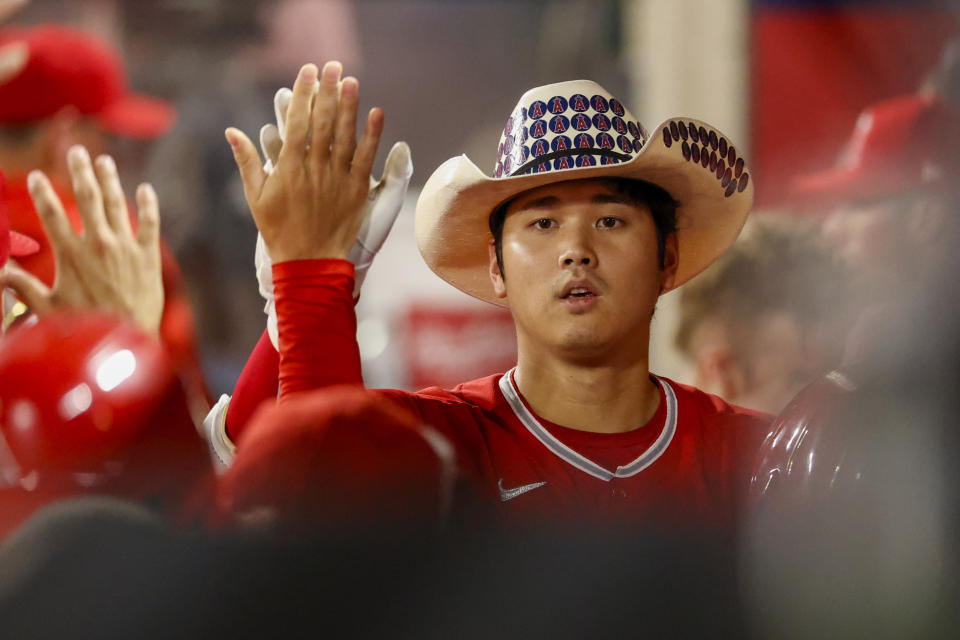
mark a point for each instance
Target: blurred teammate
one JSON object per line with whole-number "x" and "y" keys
{"x": 73, "y": 90}
{"x": 586, "y": 221}
{"x": 768, "y": 317}
{"x": 855, "y": 488}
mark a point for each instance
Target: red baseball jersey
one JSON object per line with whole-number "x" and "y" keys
{"x": 688, "y": 465}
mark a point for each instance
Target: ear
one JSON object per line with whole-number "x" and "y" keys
{"x": 671, "y": 260}
{"x": 717, "y": 372}
{"x": 499, "y": 285}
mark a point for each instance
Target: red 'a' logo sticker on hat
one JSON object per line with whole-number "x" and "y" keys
{"x": 537, "y": 109}
{"x": 580, "y": 122}
{"x": 538, "y": 129}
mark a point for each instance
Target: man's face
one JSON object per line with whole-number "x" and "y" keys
{"x": 582, "y": 271}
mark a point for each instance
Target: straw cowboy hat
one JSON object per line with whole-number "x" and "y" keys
{"x": 574, "y": 130}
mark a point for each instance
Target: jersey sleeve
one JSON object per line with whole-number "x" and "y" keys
{"x": 317, "y": 325}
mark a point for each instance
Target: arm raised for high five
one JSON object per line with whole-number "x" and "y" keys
{"x": 309, "y": 210}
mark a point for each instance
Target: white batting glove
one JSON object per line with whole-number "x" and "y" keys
{"x": 384, "y": 201}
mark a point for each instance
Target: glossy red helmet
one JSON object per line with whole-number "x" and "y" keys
{"x": 90, "y": 403}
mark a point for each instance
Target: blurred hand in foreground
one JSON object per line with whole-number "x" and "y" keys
{"x": 107, "y": 266}
{"x": 13, "y": 56}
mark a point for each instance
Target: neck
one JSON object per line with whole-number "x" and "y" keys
{"x": 613, "y": 397}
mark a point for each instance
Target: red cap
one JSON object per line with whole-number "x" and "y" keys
{"x": 12, "y": 243}
{"x": 68, "y": 67}
{"x": 898, "y": 145}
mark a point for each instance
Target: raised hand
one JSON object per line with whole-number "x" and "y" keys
{"x": 312, "y": 204}
{"x": 107, "y": 266}
{"x": 384, "y": 202}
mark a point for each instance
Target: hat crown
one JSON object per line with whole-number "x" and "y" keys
{"x": 567, "y": 125}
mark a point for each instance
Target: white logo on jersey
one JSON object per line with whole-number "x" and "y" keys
{"x": 510, "y": 494}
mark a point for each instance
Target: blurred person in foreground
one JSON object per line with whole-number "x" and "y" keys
{"x": 88, "y": 400}
{"x": 73, "y": 90}
{"x": 857, "y": 497}
{"x": 768, "y": 317}
{"x": 586, "y": 220}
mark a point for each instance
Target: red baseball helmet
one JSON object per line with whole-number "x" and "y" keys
{"x": 89, "y": 403}
{"x": 897, "y": 145}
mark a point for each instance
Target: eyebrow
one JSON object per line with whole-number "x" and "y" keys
{"x": 547, "y": 202}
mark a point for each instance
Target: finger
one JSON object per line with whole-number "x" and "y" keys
{"x": 270, "y": 144}
{"x": 86, "y": 191}
{"x": 298, "y": 115}
{"x": 281, "y": 102}
{"x": 345, "y": 135}
{"x": 13, "y": 58}
{"x": 248, "y": 162}
{"x": 50, "y": 211}
{"x": 31, "y": 291}
{"x": 325, "y": 110}
{"x": 366, "y": 151}
{"x": 399, "y": 166}
{"x": 9, "y": 7}
{"x": 114, "y": 202}
{"x": 148, "y": 217}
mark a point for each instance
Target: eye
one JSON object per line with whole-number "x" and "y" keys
{"x": 543, "y": 223}
{"x": 609, "y": 222}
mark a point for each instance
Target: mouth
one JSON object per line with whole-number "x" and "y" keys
{"x": 579, "y": 292}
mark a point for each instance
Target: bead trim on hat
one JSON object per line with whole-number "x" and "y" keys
{"x": 713, "y": 153}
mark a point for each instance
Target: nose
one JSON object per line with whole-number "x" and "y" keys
{"x": 577, "y": 252}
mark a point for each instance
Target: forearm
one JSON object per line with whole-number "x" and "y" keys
{"x": 317, "y": 325}
{"x": 257, "y": 382}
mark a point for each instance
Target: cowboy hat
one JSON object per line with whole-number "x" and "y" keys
{"x": 575, "y": 130}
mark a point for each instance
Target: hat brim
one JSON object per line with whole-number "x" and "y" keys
{"x": 454, "y": 207}
{"x": 138, "y": 116}
{"x": 21, "y": 245}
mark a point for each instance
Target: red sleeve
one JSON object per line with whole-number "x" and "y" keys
{"x": 257, "y": 382}
{"x": 317, "y": 325}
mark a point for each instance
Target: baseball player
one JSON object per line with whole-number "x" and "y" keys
{"x": 586, "y": 220}
{"x": 73, "y": 90}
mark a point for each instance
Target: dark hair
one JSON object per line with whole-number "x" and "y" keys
{"x": 662, "y": 207}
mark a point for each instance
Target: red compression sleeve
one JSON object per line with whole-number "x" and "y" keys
{"x": 257, "y": 382}
{"x": 317, "y": 324}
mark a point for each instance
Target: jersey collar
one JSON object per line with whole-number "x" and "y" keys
{"x": 568, "y": 455}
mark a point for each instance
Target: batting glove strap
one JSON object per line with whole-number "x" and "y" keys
{"x": 222, "y": 449}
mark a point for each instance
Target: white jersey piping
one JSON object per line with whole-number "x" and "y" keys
{"x": 644, "y": 460}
